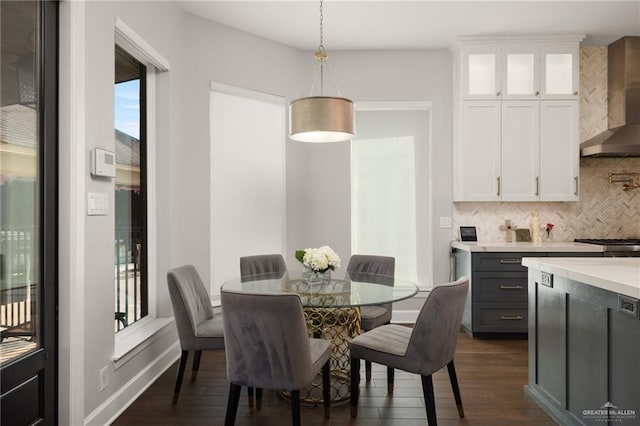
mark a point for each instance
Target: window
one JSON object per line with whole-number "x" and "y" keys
{"x": 131, "y": 278}
{"x": 390, "y": 188}
{"x": 247, "y": 177}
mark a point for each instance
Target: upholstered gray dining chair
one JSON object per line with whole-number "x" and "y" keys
{"x": 198, "y": 328}
{"x": 380, "y": 270}
{"x": 423, "y": 349}
{"x": 262, "y": 264}
{"x": 267, "y": 347}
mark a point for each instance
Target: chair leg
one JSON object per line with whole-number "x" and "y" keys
{"x": 390, "y": 379}
{"x": 454, "y": 386}
{"x": 250, "y": 396}
{"x": 258, "y": 398}
{"x": 429, "y": 400}
{"x": 295, "y": 408}
{"x": 183, "y": 363}
{"x": 232, "y": 404}
{"x": 355, "y": 386}
{"x": 196, "y": 364}
{"x": 367, "y": 371}
{"x": 326, "y": 388}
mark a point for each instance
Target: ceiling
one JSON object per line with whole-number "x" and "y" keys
{"x": 418, "y": 24}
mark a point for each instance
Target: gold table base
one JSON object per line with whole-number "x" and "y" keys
{"x": 338, "y": 325}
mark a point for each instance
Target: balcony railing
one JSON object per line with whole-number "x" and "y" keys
{"x": 18, "y": 290}
{"x": 130, "y": 302}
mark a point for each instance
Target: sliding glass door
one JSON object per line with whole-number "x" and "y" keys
{"x": 28, "y": 212}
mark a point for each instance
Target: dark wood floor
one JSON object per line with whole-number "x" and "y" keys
{"x": 491, "y": 374}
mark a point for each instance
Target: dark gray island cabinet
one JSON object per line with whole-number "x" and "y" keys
{"x": 584, "y": 339}
{"x": 497, "y": 301}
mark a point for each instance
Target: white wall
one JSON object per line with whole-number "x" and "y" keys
{"x": 92, "y": 57}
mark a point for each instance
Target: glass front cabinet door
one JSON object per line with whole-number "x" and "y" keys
{"x": 523, "y": 71}
{"x": 520, "y": 72}
{"x": 481, "y": 73}
{"x": 560, "y": 72}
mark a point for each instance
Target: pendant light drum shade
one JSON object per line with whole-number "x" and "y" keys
{"x": 321, "y": 119}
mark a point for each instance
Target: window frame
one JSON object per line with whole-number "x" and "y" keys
{"x": 143, "y": 302}
{"x": 131, "y": 337}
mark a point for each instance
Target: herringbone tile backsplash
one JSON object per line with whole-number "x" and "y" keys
{"x": 604, "y": 209}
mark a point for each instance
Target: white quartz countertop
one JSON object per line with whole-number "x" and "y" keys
{"x": 616, "y": 274}
{"x": 547, "y": 246}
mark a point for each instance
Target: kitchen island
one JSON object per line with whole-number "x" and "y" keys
{"x": 497, "y": 301}
{"x": 584, "y": 339}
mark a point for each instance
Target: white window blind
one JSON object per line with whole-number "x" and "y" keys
{"x": 247, "y": 178}
{"x": 390, "y": 189}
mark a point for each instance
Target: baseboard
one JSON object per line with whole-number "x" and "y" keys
{"x": 560, "y": 416}
{"x": 115, "y": 405}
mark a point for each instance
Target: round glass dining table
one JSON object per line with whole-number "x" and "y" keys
{"x": 332, "y": 311}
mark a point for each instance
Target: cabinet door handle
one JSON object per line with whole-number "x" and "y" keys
{"x": 498, "y": 93}
{"x": 511, "y": 318}
{"x": 575, "y": 93}
{"x": 510, "y": 287}
{"x": 510, "y": 261}
{"x": 576, "y": 191}
{"x": 498, "y": 193}
{"x": 537, "y": 185}
{"x": 537, "y": 92}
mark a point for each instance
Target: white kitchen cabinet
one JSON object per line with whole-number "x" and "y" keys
{"x": 517, "y": 151}
{"x": 477, "y": 155}
{"x": 559, "y": 153}
{"x": 520, "y": 154}
{"x": 516, "y": 121}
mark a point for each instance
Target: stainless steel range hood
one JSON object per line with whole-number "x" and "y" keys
{"x": 623, "y": 137}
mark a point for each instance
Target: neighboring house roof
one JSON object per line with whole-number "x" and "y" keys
{"x": 19, "y": 126}
{"x": 127, "y": 149}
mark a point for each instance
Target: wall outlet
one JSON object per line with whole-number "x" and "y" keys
{"x": 104, "y": 377}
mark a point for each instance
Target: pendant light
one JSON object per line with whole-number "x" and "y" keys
{"x": 321, "y": 118}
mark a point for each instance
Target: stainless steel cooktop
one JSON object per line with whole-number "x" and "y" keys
{"x": 624, "y": 246}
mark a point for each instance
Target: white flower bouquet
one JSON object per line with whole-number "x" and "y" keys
{"x": 319, "y": 259}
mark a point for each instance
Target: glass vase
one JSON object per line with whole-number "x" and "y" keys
{"x": 316, "y": 278}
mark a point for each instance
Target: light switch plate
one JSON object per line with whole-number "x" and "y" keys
{"x": 97, "y": 204}
{"x": 445, "y": 221}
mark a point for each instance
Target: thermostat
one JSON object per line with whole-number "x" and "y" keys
{"x": 103, "y": 163}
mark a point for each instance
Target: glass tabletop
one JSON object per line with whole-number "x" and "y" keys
{"x": 360, "y": 290}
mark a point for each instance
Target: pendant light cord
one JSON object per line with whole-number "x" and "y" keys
{"x": 321, "y": 56}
